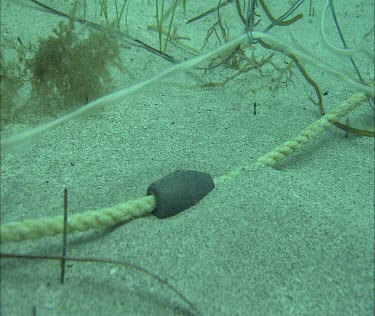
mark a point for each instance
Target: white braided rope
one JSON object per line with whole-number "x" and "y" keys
{"x": 51, "y": 226}
{"x": 290, "y": 146}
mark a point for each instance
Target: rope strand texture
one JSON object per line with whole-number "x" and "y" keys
{"x": 51, "y": 226}
{"x": 290, "y": 146}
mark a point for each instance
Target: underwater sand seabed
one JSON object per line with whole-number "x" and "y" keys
{"x": 294, "y": 239}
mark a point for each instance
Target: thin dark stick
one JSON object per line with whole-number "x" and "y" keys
{"x": 110, "y": 261}
{"x": 346, "y": 131}
{"x": 311, "y": 9}
{"x": 64, "y": 235}
{"x": 202, "y": 15}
